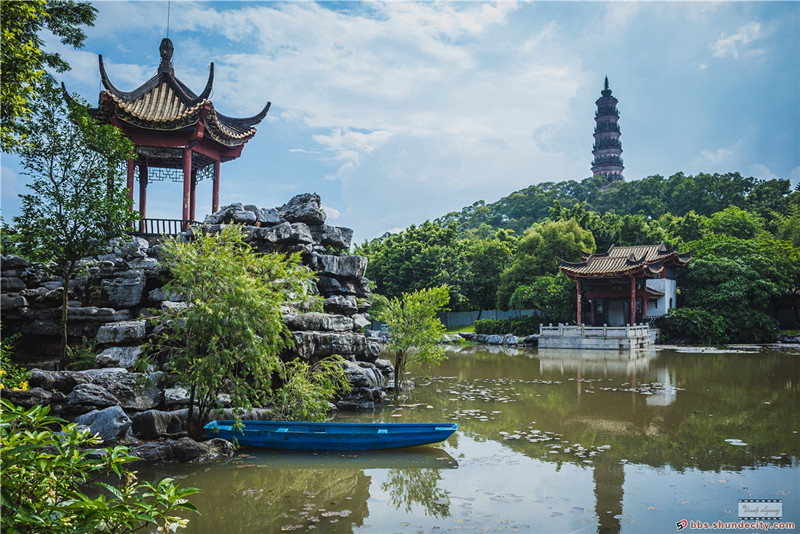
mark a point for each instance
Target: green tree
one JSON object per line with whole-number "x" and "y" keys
{"x": 78, "y": 199}
{"x": 487, "y": 259}
{"x": 23, "y": 59}
{"x": 415, "y": 329}
{"x": 420, "y": 257}
{"x": 230, "y": 336}
{"x": 537, "y": 251}
{"x": 48, "y": 467}
{"x": 736, "y": 222}
{"x": 554, "y": 295}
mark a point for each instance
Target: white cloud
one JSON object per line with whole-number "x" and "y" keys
{"x": 331, "y": 213}
{"x": 730, "y": 45}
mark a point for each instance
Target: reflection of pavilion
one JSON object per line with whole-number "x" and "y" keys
{"x": 609, "y": 363}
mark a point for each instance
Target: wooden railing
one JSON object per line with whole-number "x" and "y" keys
{"x": 152, "y": 227}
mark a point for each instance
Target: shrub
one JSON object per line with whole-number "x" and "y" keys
{"x": 518, "y": 326}
{"x": 706, "y": 327}
{"x": 751, "y": 326}
{"x": 47, "y": 472}
{"x": 11, "y": 376}
{"x": 693, "y": 325}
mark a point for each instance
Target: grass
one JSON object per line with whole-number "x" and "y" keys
{"x": 459, "y": 329}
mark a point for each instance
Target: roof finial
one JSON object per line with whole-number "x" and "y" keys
{"x": 605, "y": 87}
{"x": 166, "y": 49}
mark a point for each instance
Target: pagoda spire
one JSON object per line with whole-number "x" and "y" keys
{"x": 607, "y": 149}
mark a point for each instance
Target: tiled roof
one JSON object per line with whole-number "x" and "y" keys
{"x": 164, "y": 103}
{"x": 623, "y": 261}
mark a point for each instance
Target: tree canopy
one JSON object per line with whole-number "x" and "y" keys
{"x": 24, "y": 60}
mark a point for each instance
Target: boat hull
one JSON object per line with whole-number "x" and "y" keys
{"x": 330, "y": 436}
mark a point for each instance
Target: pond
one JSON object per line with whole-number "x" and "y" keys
{"x": 548, "y": 442}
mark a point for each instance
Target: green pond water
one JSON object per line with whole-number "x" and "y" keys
{"x": 548, "y": 442}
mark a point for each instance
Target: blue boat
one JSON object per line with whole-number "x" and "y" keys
{"x": 300, "y": 436}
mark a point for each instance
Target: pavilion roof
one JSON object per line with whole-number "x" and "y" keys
{"x": 648, "y": 260}
{"x": 164, "y": 103}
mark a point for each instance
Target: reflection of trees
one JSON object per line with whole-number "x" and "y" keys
{"x": 418, "y": 486}
{"x": 238, "y": 497}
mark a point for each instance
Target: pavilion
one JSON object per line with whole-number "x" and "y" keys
{"x": 177, "y": 133}
{"x": 634, "y": 283}
{"x": 624, "y": 287}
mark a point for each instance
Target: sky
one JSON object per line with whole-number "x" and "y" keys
{"x": 400, "y": 112}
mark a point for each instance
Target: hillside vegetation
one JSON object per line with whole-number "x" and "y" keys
{"x": 744, "y": 233}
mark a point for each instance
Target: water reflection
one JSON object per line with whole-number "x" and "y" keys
{"x": 549, "y": 442}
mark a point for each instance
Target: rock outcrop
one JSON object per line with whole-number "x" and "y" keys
{"x": 118, "y": 290}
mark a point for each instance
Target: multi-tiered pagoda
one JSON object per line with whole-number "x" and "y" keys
{"x": 607, "y": 149}
{"x": 178, "y": 135}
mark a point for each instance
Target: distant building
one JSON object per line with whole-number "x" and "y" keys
{"x": 607, "y": 150}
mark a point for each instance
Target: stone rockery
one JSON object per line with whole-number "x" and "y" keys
{"x": 110, "y": 301}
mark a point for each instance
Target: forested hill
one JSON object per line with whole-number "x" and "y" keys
{"x": 654, "y": 196}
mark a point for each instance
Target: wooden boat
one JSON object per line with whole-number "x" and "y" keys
{"x": 330, "y": 436}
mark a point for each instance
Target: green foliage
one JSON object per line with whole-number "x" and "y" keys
{"x": 735, "y": 222}
{"x": 750, "y": 326}
{"x": 78, "y": 199}
{"x": 47, "y": 473}
{"x": 83, "y": 356}
{"x": 693, "y": 325}
{"x": 12, "y": 376}
{"x": 554, "y": 295}
{"x": 230, "y": 336}
{"x": 537, "y": 251}
{"x": 308, "y": 389}
{"x": 518, "y": 326}
{"x": 23, "y": 58}
{"x": 728, "y": 271}
{"x": 710, "y": 327}
{"x": 421, "y": 257}
{"x": 415, "y": 329}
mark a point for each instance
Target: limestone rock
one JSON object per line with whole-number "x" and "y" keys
{"x": 63, "y": 381}
{"x": 10, "y": 261}
{"x": 11, "y": 284}
{"x": 348, "y": 267}
{"x": 332, "y": 236}
{"x": 153, "y": 424}
{"x": 321, "y": 344}
{"x": 122, "y": 332}
{"x": 320, "y": 321}
{"x": 87, "y": 397}
{"x": 176, "y": 398}
{"x": 125, "y": 357}
{"x": 124, "y": 292}
{"x": 267, "y": 217}
{"x": 303, "y": 208}
{"x": 134, "y": 391}
{"x": 345, "y": 305}
{"x": 111, "y": 424}
{"x": 183, "y": 450}
{"x": 33, "y": 396}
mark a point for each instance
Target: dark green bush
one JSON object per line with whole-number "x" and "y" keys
{"x": 693, "y": 325}
{"x": 518, "y": 326}
{"x": 709, "y": 328}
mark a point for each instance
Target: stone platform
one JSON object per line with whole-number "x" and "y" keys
{"x": 597, "y": 337}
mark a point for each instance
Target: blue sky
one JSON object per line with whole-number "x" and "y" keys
{"x": 400, "y": 112}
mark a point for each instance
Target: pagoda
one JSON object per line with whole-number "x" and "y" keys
{"x": 607, "y": 148}
{"x": 177, "y": 134}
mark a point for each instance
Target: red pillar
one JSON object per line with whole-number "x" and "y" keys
{"x": 644, "y": 301}
{"x": 192, "y": 203}
{"x": 187, "y": 186}
{"x": 215, "y": 194}
{"x": 131, "y": 173}
{"x": 579, "y": 301}
{"x": 633, "y": 301}
{"x": 142, "y": 195}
